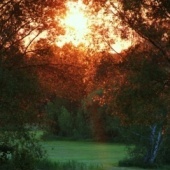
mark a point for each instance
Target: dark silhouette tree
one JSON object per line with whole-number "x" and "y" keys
{"x": 140, "y": 95}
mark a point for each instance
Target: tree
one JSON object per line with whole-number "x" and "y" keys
{"x": 21, "y": 25}
{"x": 147, "y": 92}
{"x": 65, "y": 69}
{"x": 19, "y": 91}
{"x": 143, "y": 100}
{"x": 142, "y": 89}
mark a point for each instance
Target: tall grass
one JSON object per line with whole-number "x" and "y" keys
{"x": 71, "y": 165}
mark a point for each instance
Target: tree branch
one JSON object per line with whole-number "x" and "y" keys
{"x": 139, "y": 33}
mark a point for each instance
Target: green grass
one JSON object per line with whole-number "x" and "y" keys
{"x": 88, "y": 153}
{"x": 85, "y": 152}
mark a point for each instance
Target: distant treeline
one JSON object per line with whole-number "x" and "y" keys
{"x": 71, "y": 120}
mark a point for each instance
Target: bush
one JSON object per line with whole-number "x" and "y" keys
{"x": 136, "y": 162}
{"x": 5, "y": 153}
{"x": 26, "y": 150}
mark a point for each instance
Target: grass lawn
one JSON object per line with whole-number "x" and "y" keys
{"x": 86, "y": 152}
{"x": 90, "y": 153}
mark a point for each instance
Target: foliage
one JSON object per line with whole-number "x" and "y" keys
{"x": 19, "y": 98}
{"x": 19, "y": 89}
{"x": 137, "y": 140}
{"x": 82, "y": 127}
{"x": 143, "y": 96}
{"x": 20, "y": 19}
{"x": 150, "y": 21}
{"x": 67, "y": 120}
{"x": 114, "y": 130}
{"x": 142, "y": 104}
{"x": 26, "y": 151}
{"x": 143, "y": 92}
{"x": 27, "y": 155}
{"x": 65, "y": 71}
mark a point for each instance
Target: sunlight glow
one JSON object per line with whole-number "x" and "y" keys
{"x": 83, "y": 25}
{"x": 97, "y": 30}
{"x": 75, "y": 23}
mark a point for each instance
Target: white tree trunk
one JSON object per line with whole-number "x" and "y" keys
{"x": 154, "y": 144}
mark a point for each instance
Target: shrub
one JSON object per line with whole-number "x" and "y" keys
{"x": 26, "y": 150}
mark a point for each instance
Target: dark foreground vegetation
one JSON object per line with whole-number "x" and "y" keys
{"x": 81, "y": 93}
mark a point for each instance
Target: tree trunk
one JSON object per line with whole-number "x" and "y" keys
{"x": 154, "y": 144}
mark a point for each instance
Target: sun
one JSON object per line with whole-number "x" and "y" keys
{"x": 87, "y": 28}
{"x": 99, "y": 30}
{"x": 75, "y": 23}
